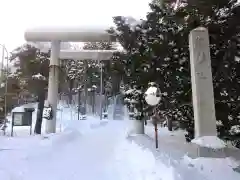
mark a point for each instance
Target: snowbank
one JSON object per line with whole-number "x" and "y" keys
{"x": 134, "y": 163}
{"x": 64, "y": 115}
{"x": 215, "y": 168}
{"x": 210, "y": 142}
{"x": 163, "y": 132}
{"x": 26, "y": 145}
{"x": 102, "y": 153}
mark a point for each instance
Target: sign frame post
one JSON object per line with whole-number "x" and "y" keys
{"x": 23, "y": 120}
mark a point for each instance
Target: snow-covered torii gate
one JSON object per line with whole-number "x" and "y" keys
{"x": 56, "y": 35}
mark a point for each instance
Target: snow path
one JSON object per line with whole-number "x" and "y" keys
{"x": 85, "y": 157}
{"x": 103, "y": 153}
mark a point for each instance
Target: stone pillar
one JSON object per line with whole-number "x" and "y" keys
{"x": 202, "y": 86}
{"x": 53, "y": 86}
{"x": 137, "y": 126}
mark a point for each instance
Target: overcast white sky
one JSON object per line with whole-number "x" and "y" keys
{"x": 18, "y": 15}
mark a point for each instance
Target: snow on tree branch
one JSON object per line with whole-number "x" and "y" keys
{"x": 39, "y": 77}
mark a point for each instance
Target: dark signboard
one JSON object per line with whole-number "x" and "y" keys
{"x": 22, "y": 119}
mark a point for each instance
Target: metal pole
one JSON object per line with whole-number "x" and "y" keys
{"x": 79, "y": 99}
{"x": 155, "y": 121}
{"x": 6, "y": 84}
{"x": 161, "y": 3}
{"x": 3, "y": 51}
{"x": 156, "y": 134}
{"x": 61, "y": 121}
{"x": 12, "y": 124}
{"x": 101, "y": 88}
{"x": 6, "y": 90}
{"x": 85, "y": 86}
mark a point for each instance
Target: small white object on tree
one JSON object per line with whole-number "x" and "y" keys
{"x": 2, "y": 85}
{"x": 94, "y": 86}
{"x": 39, "y": 77}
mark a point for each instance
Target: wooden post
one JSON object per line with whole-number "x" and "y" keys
{"x": 156, "y": 135}
{"x": 155, "y": 119}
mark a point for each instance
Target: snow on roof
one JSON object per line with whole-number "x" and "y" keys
{"x": 21, "y": 108}
{"x": 74, "y": 34}
{"x": 18, "y": 109}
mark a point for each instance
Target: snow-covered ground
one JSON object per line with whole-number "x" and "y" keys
{"x": 199, "y": 168}
{"x": 89, "y": 149}
{"x": 92, "y": 149}
{"x": 214, "y": 168}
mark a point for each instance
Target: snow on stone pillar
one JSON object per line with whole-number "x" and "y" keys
{"x": 202, "y": 85}
{"x": 53, "y": 86}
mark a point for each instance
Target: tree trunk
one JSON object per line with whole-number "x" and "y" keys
{"x": 79, "y": 103}
{"x": 38, "y": 125}
{"x": 116, "y": 83}
{"x": 85, "y": 85}
{"x": 156, "y": 134}
{"x": 93, "y": 102}
{"x": 169, "y": 124}
{"x": 71, "y": 82}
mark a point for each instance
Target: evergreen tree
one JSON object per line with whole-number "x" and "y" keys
{"x": 13, "y": 91}
{"x": 221, "y": 19}
{"x": 157, "y": 50}
{"x": 32, "y": 72}
{"x": 84, "y": 75}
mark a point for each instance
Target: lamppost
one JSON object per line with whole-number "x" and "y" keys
{"x": 153, "y": 97}
{"x": 101, "y": 88}
{"x": 6, "y": 83}
{"x": 93, "y": 96}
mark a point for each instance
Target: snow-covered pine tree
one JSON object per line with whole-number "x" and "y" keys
{"x": 221, "y": 19}
{"x": 32, "y": 72}
{"x": 157, "y": 50}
